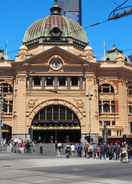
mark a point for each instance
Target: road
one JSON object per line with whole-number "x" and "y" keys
{"x": 19, "y": 169}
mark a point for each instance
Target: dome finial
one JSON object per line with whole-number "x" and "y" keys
{"x": 55, "y": 10}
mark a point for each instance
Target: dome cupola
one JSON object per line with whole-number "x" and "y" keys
{"x": 55, "y": 10}
{"x": 55, "y": 29}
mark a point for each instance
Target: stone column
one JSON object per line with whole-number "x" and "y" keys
{"x": 91, "y": 106}
{"x": 19, "y": 128}
{"x": 43, "y": 82}
{"x": 68, "y": 83}
{"x": 30, "y": 82}
{"x": 123, "y": 106}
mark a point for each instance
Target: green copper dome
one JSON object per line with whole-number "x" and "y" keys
{"x": 43, "y": 28}
{"x": 55, "y": 26}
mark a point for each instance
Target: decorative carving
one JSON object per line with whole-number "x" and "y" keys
{"x": 32, "y": 103}
{"x": 80, "y": 104}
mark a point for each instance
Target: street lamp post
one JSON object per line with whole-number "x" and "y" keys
{"x": 105, "y": 133}
{"x": 89, "y": 95}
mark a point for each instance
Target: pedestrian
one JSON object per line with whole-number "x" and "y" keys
{"x": 68, "y": 151}
{"x": 72, "y": 149}
{"x": 79, "y": 150}
{"x": 124, "y": 153}
{"x": 86, "y": 147}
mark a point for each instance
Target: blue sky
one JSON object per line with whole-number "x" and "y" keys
{"x": 16, "y": 16}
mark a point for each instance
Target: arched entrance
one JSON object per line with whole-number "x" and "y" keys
{"x": 6, "y": 132}
{"x": 55, "y": 123}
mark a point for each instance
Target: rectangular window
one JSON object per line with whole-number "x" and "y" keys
{"x": 106, "y": 106}
{"x": 130, "y": 108}
{"x": 113, "y": 106}
{"x": 36, "y": 81}
{"x": 74, "y": 81}
{"x": 10, "y": 106}
{"x": 100, "y": 107}
{"x": 131, "y": 127}
{"x": 107, "y": 123}
{"x": 119, "y": 132}
{"x": 109, "y": 132}
{"x": 49, "y": 81}
{"x": 62, "y": 81}
{"x": 5, "y": 106}
{"x": 113, "y": 123}
{"x": 129, "y": 91}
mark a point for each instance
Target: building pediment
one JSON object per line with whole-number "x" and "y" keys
{"x": 44, "y": 57}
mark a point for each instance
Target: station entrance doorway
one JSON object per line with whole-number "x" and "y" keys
{"x": 55, "y": 123}
{"x": 6, "y": 132}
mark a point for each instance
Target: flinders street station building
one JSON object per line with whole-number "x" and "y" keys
{"x": 56, "y": 90}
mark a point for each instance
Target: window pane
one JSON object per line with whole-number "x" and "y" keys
{"x": 62, "y": 81}
{"x": 107, "y": 123}
{"x": 130, "y": 90}
{"x": 74, "y": 81}
{"x": 106, "y": 106}
{"x": 130, "y": 127}
{"x": 106, "y": 88}
{"x": 62, "y": 113}
{"x": 5, "y": 106}
{"x": 109, "y": 132}
{"x": 36, "y": 81}
{"x": 112, "y": 106}
{"x": 10, "y": 106}
{"x": 42, "y": 115}
{"x": 49, "y": 81}
{"x": 49, "y": 113}
{"x": 69, "y": 114}
{"x": 100, "y": 107}
{"x": 55, "y": 112}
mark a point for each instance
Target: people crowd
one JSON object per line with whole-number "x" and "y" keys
{"x": 19, "y": 145}
{"x": 112, "y": 151}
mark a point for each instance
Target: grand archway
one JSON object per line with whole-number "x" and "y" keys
{"x": 55, "y": 123}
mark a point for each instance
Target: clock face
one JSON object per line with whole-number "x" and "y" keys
{"x": 56, "y": 64}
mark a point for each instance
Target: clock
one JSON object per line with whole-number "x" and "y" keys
{"x": 56, "y": 64}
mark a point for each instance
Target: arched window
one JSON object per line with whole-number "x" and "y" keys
{"x": 6, "y": 88}
{"x": 56, "y": 113}
{"x": 106, "y": 88}
{"x": 129, "y": 91}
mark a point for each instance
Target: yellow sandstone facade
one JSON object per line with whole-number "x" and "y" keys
{"x": 56, "y": 90}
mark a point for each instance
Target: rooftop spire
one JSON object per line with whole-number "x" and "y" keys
{"x": 55, "y": 10}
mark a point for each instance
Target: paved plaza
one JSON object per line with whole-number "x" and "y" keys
{"x": 29, "y": 169}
